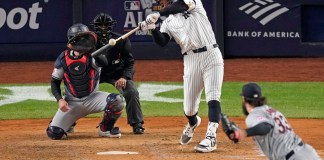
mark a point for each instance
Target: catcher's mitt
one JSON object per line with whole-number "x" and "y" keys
{"x": 230, "y": 128}
{"x": 83, "y": 42}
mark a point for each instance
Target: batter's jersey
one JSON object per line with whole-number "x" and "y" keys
{"x": 191, "y": 32}
{"x": 280, "y": 140}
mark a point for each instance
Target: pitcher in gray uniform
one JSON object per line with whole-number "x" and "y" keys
{"x": 187, "y": 23}
{"x": 270, "y": 129}
{"x": 80, "y": 73}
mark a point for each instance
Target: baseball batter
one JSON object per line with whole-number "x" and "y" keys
{"x": 80, "y": 73}
{"x": 188, "y": 24}
{"x": 270, "y": 129}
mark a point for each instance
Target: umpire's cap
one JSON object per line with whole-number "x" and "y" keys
{"x": 251, "y": 91}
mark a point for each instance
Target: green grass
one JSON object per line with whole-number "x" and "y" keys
{"x": 4, "y": 92}
{"x": 294, "y": 99}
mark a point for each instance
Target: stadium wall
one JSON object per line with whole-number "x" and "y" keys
{"x": 35, "y": 30}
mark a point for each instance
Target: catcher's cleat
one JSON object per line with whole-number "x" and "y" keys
{"x": 138, "y": 128}
{"x": 113, "y": 133}
{"x": 71, "y": 129}
{"x": 188, "y": 132}
{"x": 209, "y": 144}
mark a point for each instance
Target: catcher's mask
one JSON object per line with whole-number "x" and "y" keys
{"x": 80, "y": 38}
{"x": 103, "y": 25}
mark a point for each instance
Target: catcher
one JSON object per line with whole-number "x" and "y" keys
{"x": 269, "y": 128}
{"x": 80, "y": 73}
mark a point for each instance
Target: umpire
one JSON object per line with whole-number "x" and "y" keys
{"x": 120, "y": 69}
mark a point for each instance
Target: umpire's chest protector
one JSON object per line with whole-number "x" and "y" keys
{"x": 80, "y": 77}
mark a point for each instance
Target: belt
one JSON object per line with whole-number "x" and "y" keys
{"x": 202, "y": 49}
{"x": 292, "y": 152}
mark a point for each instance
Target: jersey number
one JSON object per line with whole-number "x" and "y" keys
{"x": 282, "y": 123}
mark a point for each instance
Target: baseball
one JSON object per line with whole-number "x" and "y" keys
{"x": 112, "y": 42}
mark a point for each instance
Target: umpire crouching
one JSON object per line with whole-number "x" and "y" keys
{"x": 120, "y": 69}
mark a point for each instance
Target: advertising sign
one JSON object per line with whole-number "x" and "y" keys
{"x": 33, "y": 29}
{"x": 34, "y": 21}
{"x": 265, "y": 28}
{"x": 127, "y": 13}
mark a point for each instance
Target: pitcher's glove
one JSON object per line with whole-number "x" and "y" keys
{"x": 231, "y": 129}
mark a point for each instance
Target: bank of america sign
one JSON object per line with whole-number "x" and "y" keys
{"x": 263, "y": 10}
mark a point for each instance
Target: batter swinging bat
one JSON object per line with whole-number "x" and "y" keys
{"x": 112, "y": 42}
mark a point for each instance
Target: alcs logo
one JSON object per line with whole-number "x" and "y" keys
{"x": 24, "y": 17}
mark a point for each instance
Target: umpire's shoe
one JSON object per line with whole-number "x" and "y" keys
{"x": 138, "y": 128}
{"x": 209, "y": 144}
{"x": 188, "y": 132}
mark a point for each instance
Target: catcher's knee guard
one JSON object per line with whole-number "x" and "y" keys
{"x": 115, "y": 106}
{"x": 113, "y": 110}
{"x": 55, "y": 133}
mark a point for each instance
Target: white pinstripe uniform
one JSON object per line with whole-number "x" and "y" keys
{"x": 204, "y": 69}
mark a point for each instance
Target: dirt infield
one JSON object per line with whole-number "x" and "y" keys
{"x": 26, "y": 139}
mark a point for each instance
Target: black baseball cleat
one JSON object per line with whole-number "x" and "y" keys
{"x": 71, "y": 129}
{"x": 138, "y": 128}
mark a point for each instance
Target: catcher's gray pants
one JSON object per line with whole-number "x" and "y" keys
{"x": 79, "y": 108}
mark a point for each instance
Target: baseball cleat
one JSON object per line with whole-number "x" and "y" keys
{"x": 138, "y": 128}
{"x": 113, "y": 133}
{"x": 71, "y": 129}
{"x": 188, "y": 132}
{"x": 209, "y": 144}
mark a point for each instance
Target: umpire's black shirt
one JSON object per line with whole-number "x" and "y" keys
{"x": 120, "y": 61}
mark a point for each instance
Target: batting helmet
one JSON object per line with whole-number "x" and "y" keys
{"x": 103, "y": 25}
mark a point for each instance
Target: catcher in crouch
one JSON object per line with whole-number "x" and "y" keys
{"x": 80, "y": 73}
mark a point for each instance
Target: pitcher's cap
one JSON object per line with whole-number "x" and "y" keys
{"x": 251, "y": 91}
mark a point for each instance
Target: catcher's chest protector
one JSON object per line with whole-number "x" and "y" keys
{"x": 79, "y": 76}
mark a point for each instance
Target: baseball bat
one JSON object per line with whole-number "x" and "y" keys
{"x": 112, "y": 42}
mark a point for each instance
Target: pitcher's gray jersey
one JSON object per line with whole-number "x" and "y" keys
{"x": 281, "y": 140}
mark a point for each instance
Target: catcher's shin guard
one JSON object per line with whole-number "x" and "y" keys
{"x": 113, "y": 110}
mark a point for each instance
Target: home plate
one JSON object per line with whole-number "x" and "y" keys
{"x": 116, "y": 152}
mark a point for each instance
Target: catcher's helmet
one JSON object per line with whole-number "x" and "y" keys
{"x": 103, "y": 25}
{"x": 76, "y": 29}
{"x": 80, "y": 38}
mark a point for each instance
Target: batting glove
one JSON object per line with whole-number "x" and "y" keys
{"x": 152, "y": 18}
{"x": 145, "y": 27}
